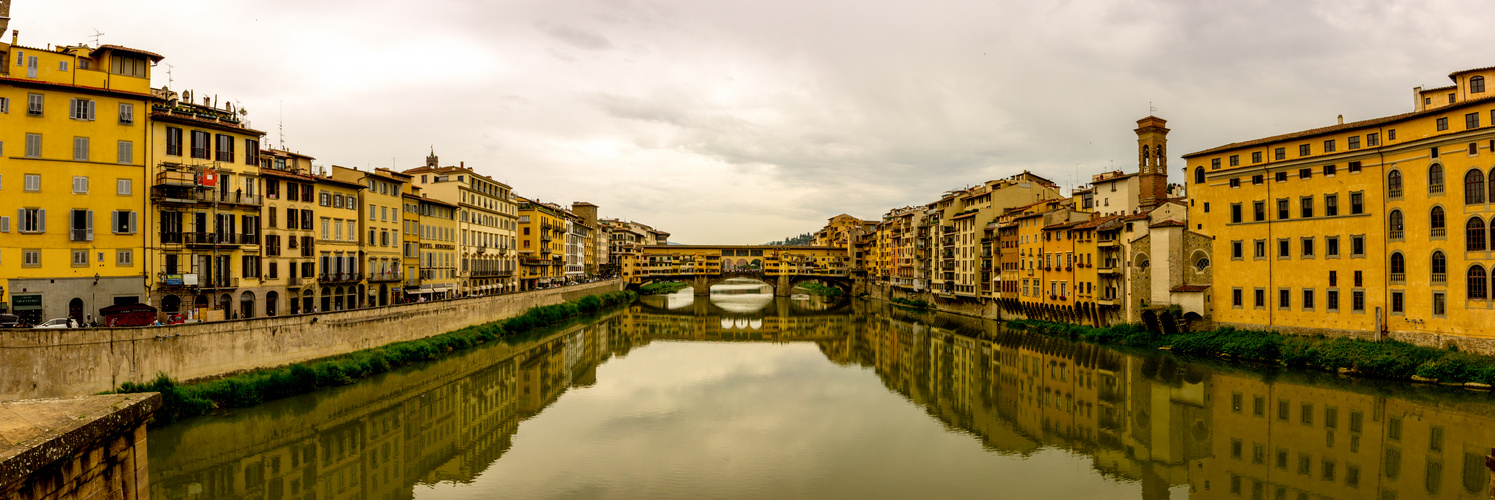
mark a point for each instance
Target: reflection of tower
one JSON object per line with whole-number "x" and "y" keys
{"x": 1152, "y": 162}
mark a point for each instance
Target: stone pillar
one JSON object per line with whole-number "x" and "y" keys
{"x": 781, "y": 286}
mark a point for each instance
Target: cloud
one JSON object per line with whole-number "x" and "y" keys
{"x": 575, "y": 37}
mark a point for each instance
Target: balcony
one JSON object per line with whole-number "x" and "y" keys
{"x": 1439, "y": 232}
{"x": 386, "y": 276}
{"x": 198, "y": 282}
{"x": 207, "y": 239}
{"x": 1104, "y": 243}
{"x": 1106, "y": 301}
{"x": 1398, "y": 278}
{"x": 491, "y": 273}
{"x": 331, "y": 278}
{"x": 229, "y": 198}
{"x": 1440, "y": 278}
{"x": 1107, "y": 270}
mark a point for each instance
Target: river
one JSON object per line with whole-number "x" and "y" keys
{"x": 746, "y": 396}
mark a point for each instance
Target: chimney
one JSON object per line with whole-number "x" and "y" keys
{"x": 1341, "y": 119}
{"x": 1417, "y": 98}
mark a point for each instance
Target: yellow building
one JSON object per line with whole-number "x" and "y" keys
{"x": 204, "y": 251}
{"x": 594, "y": 253}
{"x": 380, "y": 225}
{"x": 487, "y": 221}
{"x": 542, "y": 244}
{"x": 438, "y": 255}
{"x": 287, "y": 217}
{"x": 340, "y": 280}
{"x": 1368, "y": 227}
{"x": 410, "y": 235}
{"x": 74, "y": 119}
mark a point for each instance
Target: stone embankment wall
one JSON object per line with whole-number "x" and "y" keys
{"x": 89, "y": 447}
{"x": 965, "y": 307}
{"x": 60, "y": 363}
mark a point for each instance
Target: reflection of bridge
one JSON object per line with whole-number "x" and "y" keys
{"x": 702, "y": 266}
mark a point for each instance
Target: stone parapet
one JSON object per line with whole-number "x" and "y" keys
{"x": 85, "y": 447}
{"x": 63, "y": 362}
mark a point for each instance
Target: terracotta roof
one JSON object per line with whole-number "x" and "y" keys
{"x": 1170, "y": 223}
{"x": 1440, "y": 88}
{"x": 1135, "y": 217}
{"x": 1061, "y": 225}
{"x": 120, "y": 48}
{"x": 1451, "y": 75}
{"x": 1096, "y": 222}
{"x": 287, "y": 174}
{"x": 1190, "y": 288}
{"x": 1113, "y": 179}
{"x": 1337, "y": 128}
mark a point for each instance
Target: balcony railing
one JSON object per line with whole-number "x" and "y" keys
{"x": 1439, "y": 232}
{"x": 340, "y": 277}
{"x": 1440, "y": 278}
{"x": 385, "y": 276}
{"x": 207, "y": 196}
{"x": 1395, "y": 234}
{"x": 204, "y": 238}
{"x": 1397, "y": 278}
{"x": 494, "y": 273}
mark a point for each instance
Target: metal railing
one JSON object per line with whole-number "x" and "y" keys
{"x": 339, "y": 277}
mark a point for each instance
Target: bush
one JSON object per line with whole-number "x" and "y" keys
{"x": 249, "y": 389}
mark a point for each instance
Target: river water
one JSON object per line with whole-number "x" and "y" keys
{"x": 746, "y": 396}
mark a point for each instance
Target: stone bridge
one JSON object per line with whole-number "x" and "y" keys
{"x": 703, "y": 266}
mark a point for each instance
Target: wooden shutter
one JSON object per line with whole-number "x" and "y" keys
{"x": 88, "y": 224}
{"x": 4, "y": 224}
{"x": 72, "y": 109}
{"x": 133, "y": 218}
{"x": 90, "y": 104}
{"x": 41, "y": 220}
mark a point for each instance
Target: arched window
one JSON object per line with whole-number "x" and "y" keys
{"x": 1474, "y": 234}
{"x": 1394, "y": 221}
{"x": 1202, "y": 264}
{"x": 1476, "y": 84}
{"x": 1492, "y": 183}
{"x": 1474, "y": 187}
{"x": 1435, "y": 179}
{"x": 1199, "y": 175}
{"x": 1475, "y": 280}
{"x": 1440, "y": 268}
{"x": 1394, "y": 184}
{"x": 1398, "y": 267}
{"x": 1435, "y": 221}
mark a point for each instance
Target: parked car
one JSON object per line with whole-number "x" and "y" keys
{"x": 10, "y": 321}
{"x": 59, "y": 323}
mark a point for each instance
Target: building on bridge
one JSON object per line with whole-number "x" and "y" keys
{"x": 702, "y": 266}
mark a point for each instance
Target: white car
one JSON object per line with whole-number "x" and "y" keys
{"x": 59, "y": 323}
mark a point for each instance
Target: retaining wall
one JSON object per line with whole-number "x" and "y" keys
{"x": 61, "y": 363}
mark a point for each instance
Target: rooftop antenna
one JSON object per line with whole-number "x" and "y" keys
{"x": 1151, "y": 110}
{"x": 169, "y": 80}
{"x": 282, "y": 126}
{"x": 96, "y": 35}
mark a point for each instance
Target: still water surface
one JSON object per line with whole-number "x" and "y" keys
{"x": 747, "y": 396}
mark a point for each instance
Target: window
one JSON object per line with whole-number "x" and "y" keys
{"x": 127, "y": 66}
{"x": 1303, "y": 150}
{"x": 1281, "y": 176}
{"x": 123, "y": 222}
{"x": 1398, "y": 302}
{"x": 1394, "y": 225}
{"x": 1199, "y": 175}
{"x": 1282, "y": 209}
{"x": 1284, "y": 298}
{"x": 1331, "y": 300}
{"x": 1235, "y": 160}
{"x": 1357, "y": 246}
{"x": 1306, "y": 206}
{"x": 1353, "y": 167}
{"x": 1473, "y": 149}
{"x": 1357, "y": 203}
{"x": 1357, "y": 301}
{"x": 1391, "y": 135}
{"x": 1329, "y": 169}
{"x": 1398, "y": 267}
{"x": 1214, "y": 164}
{"x": 1284, "y": 248}
{"x": 4, "y": 105}
{"x": 1235, "y": 212}
{"x": 1331, "y": 246}
{"x": 1354, "y": 142}
{"x": 1235, "y": 182}
{"x": 1439, "y": 268}
{"x": 80, "y": 149}
{"x": 1471, "y": 120}
{"x": 81, "y": 109}
{"x": 1236, "y": 250}
{"x": 80, "y": 185}
{"x": 1435, "y": 179}
{"x": 1256, "y": 157}
{"x": 1443, "y": 124}
{"x": 1261, "y": 298}
{"x": 126, "y": 113}
{"x": 201, "y": 144}
{"x": 1307, "y": 299}
{"x": 1329, "y": 146}
{"x": 1373, "y": 139}
{"x": 1435, "y": 221}
{"x": 1279, "y": 154}
{"x": 125, "y": 152}
{"x": 1476, "y": 84}
{"x": 32, "y": 220}
{"x": 173, "y": 141}
{"x": 1439, "y": 304}
{"x": 80, "y": 258}
{"x": 1307, "y": 247}
{"x": 1259, "y": 249}
{"x": 1235, "y": 295}
{"x": 1394, "y": 184}
{"x": 1305, "y": 173}
{"x": 1474, "y": 187}
{"x": 225, "y": 148}
{"x": 1475, "y": 280}
{"x": 1474, "y": 235}
{"x": 251, "y": 151}
{"x": 124, "y": 258}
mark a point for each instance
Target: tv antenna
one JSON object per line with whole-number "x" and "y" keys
{"x": 169, "y": 80}
{"x": 96, "y": 35}
{"x": 281, "y": 132}
{"x": 1151, "y": 110}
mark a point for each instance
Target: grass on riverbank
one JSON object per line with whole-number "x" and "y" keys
{"x": 662, "y": 288}
{"x": 1386, "y": 359}
{"x": 819, "y": 289}
{"x": 252, "y": 388}
{"x": 916, "y": 304}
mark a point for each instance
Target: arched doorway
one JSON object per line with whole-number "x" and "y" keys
{"x": 75, "y": 309}
{"x": 246, "y": 305}
{"x": 337, "y": 299}
{"x": 225, "y": 304}
{"x": 270, "y": 299}
{"x": 352, "y": 298}
{"x": 198, "y": 305}
{"x": 171, "y": 304}
{"x": 383, "y": 295}
{"x": 326, "y": 300}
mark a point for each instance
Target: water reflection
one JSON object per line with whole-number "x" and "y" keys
{"x": 1144, "y": 425}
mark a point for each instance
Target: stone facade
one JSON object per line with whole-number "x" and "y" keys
{"x": 58, "y": 363}
{"x": 88, "y": 447}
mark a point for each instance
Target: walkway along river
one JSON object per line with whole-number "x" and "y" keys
{"x": 743, "y": 396}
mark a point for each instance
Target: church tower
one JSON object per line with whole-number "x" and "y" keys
{"x": 1152, "y": 162}
{"x": 431, "y": 159}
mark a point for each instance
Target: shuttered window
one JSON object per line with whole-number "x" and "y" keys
{"x": 126, "y": 152}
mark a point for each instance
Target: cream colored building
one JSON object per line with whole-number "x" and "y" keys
{"x": 487, "y": 220}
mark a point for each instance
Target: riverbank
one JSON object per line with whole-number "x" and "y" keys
{"x": 75, "y": 362}
{"x": 1392, "y": 360}
{"x": 252, "y": 388}
{"x": 664, "y": 288}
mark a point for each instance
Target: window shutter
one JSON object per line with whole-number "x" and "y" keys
{"x": 90, "y": 109}
{"x": 21, "y": 219}
{"x": 72, "y": 108}
{"x": 41, "y": 219}
{"x": 88, "y": 222}
{"x": 114, "y": 218}
{"x": 132, "y": 222}
{"x": 4, "y": 224}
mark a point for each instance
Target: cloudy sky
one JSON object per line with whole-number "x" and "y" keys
{"x": 743, "y": 122}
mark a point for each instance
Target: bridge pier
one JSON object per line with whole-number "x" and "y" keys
{"x": 781, "y": 286}
{"x": 702, "y": 285}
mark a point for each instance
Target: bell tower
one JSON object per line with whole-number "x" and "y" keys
{"x": 1152, "y": 162}
{"x": 431, "y": 158}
